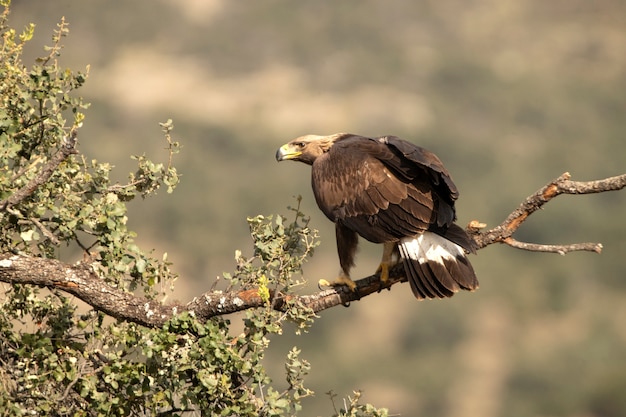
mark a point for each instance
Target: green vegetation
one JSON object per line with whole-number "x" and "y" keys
{"x": 57, "y": 360}
{"x": 508, "y": 94}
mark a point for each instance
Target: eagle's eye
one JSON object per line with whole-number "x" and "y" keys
{"x": 299, "y": 144}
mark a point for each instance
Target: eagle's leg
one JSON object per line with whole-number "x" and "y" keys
{"x": 347, "y": 242}
{"x": 387, "y": 261}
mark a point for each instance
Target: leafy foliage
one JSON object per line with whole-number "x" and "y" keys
{"x": 58, "y": 360}
{"x": 352, "y": 407}
{"x": 279, "y": 251}
{"x": 508, "y": 97}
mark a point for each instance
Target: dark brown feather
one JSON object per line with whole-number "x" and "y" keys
{"x": 385, "y": 190}
{"x": 347, "y": 242}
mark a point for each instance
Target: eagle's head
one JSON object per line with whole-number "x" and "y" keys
{"x": 307, "y": 148}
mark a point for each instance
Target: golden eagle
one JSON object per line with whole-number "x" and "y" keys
{"x": 389, "y": 191}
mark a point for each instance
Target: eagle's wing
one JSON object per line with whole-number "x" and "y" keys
{"x": 417, "y": 165}
{"x": 420, "y": 158}
{"x": 383, "y": 189}
{"x": 388, "y": 190}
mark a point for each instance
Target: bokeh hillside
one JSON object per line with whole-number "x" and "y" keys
{"x": 509, "y": 94}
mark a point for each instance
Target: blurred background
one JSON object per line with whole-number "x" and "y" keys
{"x": 508, "y": 94}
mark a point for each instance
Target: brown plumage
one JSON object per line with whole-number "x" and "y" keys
{"x": 389, "y": 191}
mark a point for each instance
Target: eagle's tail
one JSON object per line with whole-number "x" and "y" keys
{"x": 437, "y": 267}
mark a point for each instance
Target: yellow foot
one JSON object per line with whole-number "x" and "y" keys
{"x": 383, "y": 268}
{"x": 342, "y": 280}
{"x": 389, "y": 249}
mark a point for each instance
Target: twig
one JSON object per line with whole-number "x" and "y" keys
{"x": 68, "y": 147}
{"x": 47, "y": 233}
{"x": 562, "y": 185}
{"x": 560, "y": 249}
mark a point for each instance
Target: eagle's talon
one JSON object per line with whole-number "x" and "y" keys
{"x": 341, "y": 280}
{"x": 322, "y": 283}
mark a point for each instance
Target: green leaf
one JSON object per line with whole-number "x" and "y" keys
{"x": 29, "y": 235}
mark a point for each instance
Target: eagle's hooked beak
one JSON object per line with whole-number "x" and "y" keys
{"x": 287, "y": 151}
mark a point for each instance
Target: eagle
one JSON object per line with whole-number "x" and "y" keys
{"x": 390, "y": 191}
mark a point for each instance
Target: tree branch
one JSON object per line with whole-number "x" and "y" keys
{"x": 560, "y": 249}
{"x": 80, "y": 280}
{"x": 68, "y": 147}
{"x": 562, "y": 185}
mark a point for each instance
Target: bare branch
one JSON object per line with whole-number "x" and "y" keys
{"x": 562, "y": 185}
{"x": 560, "y": 249}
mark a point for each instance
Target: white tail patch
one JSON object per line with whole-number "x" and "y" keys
{"x": 435, "y": 266}
{"x": 430, "y": 246}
